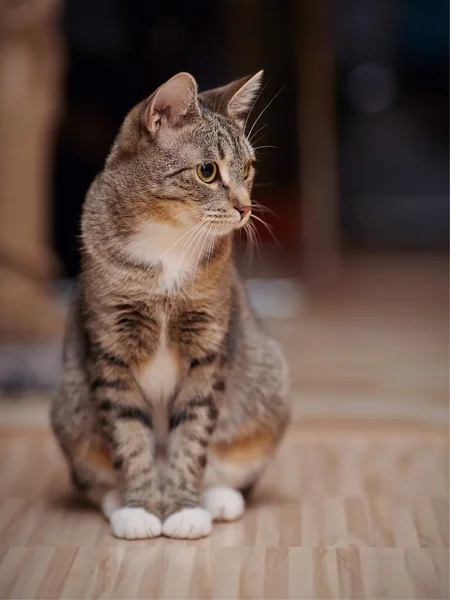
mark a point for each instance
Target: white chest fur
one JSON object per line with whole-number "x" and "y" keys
{"x": 175, "y": 249}
{"x": 158, "y": 378}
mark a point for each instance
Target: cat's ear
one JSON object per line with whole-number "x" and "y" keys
{"x": 242, "y": 101}
{"x": 174, "y": 102}
{"x": 235, "y": 99}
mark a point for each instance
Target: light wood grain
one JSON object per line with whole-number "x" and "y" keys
{"x": 340, "y": 514}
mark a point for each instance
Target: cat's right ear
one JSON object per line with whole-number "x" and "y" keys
{"x": 174, "y": 103}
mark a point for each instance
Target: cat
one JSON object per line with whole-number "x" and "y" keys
{"x": 173, "y": 397}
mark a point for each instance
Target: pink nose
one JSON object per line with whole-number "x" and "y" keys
{"x": 243, "y": 210}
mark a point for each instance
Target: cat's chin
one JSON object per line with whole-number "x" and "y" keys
{"x": 224, "y": 229}
{"x": 242, "y": 223}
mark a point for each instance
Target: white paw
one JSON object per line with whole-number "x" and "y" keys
{"x": 135, "y": 524}
{"x": 223, "y": 503}
{"x": 110, "y": 503}
{"x": 188, "y": 523}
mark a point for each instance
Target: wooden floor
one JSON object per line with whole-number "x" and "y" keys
{"x": 344, "y": 512}
{"x": 355, "y": 505}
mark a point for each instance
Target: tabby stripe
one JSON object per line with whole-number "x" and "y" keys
{"x": 137, "y": 414}
{"x": 124, "y": 307}
{"x": 219, "y": 386}
{"x": 199, "y": 402}
{"x": 135, "y": 319}
{"x": 108, "y": 357}
{"x": 177, "y": 172}
{"x": 221, "y": 150}
{"x": 194, "y": 330}
{"x": 186, "y": 414}
{"x": 179, "y": 418}
{"x": 135, "y": 453}
{"x": 195, "y": 316}
{"x": 210, "y": 428}
{"x": 205, "y": 360}
{"x": 127, "y": 320}
{"x": 106, "y": 405}
{"x": 113, "y": 384}
{"x": 213, "y": 412}
{"x": 141, "y": 474}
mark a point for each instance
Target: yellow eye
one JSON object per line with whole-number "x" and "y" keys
{"x": 248, "y": 164}
{"x": 207, "y": 171}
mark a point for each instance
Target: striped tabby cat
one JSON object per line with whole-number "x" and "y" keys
{"x": 173, "y": 396}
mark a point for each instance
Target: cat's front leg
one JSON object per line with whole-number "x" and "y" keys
{"x": 192, "y": 422}
{"x": 126, "y": 424}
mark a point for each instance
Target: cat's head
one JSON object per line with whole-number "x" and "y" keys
{"x": 182, "y": 157}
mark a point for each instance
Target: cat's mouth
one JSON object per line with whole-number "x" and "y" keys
{"x": 237, "y": 221}
{"x": 245, "y": 218}
{"x": 223, "y": 228}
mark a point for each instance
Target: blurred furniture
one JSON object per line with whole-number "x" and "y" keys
{"x": 317, "y": 142}
{"x": 30, "y": 69}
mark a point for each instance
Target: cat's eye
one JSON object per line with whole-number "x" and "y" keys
{"x": 207, "y": 171}
{"x": 248, "y": 164}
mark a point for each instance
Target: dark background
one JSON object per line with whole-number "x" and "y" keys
{"x": 391, "y": 97}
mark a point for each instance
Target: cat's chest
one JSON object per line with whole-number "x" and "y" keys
{"x": 159, "y": 374}
{"x": 174, "y": 250}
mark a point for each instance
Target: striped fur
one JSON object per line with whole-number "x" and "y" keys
{"x": 165, "y": 364}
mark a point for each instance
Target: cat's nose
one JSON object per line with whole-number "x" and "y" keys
{"x": 243, "y": 210}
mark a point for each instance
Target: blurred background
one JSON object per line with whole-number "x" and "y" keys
{"x": 353, "y": 131}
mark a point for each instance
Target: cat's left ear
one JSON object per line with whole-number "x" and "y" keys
{"x": 235, "y": 99}
{"x": 242, "y": 100}
{"x": 173, "y": 103}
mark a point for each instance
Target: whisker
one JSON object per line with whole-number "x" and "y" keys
{"x": 179, "y": 240}
{"x": 269, "y": 229}
{"x": 221, "y": 100}
{"x": 201, "y": 252}
{"x": 191, "y": 212}
{"x": 255, "y": 101}
{"x": 257, "y": 239}
{"x": 208, "y": 247}
{"x": 194, "y": 236}
{"x": 247, "y": 231}
{"x": 256, "y": 132}
{"x": 211, "y": 246}
{"x": 261, "y": 147}
{"x": 251, "y": 243}
{"x": 257, "y": 140}
{"x": 264, "y": 110}
{"x": 263, "y": 209}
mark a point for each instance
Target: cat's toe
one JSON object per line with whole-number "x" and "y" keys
{"x": 189, "y": 523}
{"x": 134, "y": 523}
{"x": 223, "y": 503}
